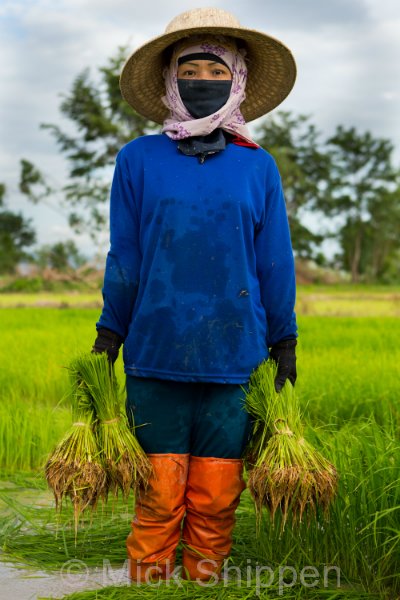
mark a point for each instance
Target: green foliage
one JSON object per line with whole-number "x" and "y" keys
{"x": 304, "y": 167}
{"x": 365, "y": 192}
{"x": 61, "y": 256}
{"x": 380, "y": 257}
{"x": 32, "y": 182}
{"x": 16, "y": 234}
{"x": 45, "y": 283}
{"x": 24, "y": 285}
{"x": 102, "y": 123}
{"x": 2, "y": 193}
{"x": 350, "y": 176}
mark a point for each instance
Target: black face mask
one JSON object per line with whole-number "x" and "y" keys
{"x": 203, "y": 97}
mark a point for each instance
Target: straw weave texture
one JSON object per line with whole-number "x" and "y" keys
{"x": 271, "y": 66}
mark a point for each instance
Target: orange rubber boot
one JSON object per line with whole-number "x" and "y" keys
{"x": 156, "y": 526}
{"x": 212, "y": 496}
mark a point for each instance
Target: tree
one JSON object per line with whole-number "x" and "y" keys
{"x": 16, "y": 234}
{"x": 102, "y": 122}
{"x": 364, "y": 189}
{"x": 304, "y": 167}
{"x": 350, "y": 176}
{"x": 61, "y": 256}
{"x": 380, "y": 258}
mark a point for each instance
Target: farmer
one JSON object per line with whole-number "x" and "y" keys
{"x": 199, "y": 283}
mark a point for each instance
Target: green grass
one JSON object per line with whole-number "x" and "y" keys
{"x": 348, "y": 386}
{"x": 348, "y": 300}
{"x": 349, "y": 368}
{"x": 323, "y": 300}
{"x": 51, "y": 299}
{"x": 359, "y": 289}
{"x": 231, "y": 591}
{"x": 28, "y": 431}
{"x": 37, "y": 344}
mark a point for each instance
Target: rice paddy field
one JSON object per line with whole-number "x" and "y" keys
{"x": 349, "y": 391}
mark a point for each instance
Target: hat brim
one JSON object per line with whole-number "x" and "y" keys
{"x": 271, "y": 72}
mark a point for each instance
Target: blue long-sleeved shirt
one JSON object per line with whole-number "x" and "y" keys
{"x": 199, "y": 278}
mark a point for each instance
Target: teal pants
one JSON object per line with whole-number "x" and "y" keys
{"x": 202, "y": 419}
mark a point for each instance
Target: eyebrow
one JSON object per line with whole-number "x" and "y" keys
{"x": 197, "y": 64}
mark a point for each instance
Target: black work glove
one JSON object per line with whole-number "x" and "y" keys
{"x": 107, "y": 341}
{"x": 284, "y": 354}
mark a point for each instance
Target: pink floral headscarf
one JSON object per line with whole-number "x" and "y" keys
{"x": 180, "y": 124}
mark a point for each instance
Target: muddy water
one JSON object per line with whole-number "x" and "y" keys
{"x": 21, "y": 584}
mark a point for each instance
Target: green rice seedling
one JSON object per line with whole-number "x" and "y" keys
{"x": 74, "y": 468}
{"x": 285, "y": 471}
{"x": 28, "y": 430}
{"x": 348, "y": 388}
{"x": 31, "y": 354}
{"x": 30, "y": 535}
{"x": 359, "y": 533}
{"x": 247, "y": 590}
{"x": 127, "y": 466}
{"x": 348, "y": 369}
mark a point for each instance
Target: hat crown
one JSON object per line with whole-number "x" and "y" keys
{"x": 202, "y": 17}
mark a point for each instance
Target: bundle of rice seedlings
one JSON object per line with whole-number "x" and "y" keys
{"x": 285, "y": 471}
{"x": 127, "y": 466}
{"x": 74, "y": 469}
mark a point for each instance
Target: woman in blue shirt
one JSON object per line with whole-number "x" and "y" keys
{"x": 199, "y": 283}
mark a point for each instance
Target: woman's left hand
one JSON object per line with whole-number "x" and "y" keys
{"x": 284, "y": 354}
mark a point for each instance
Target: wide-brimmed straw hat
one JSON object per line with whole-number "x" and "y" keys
{"x": 271, "y": 66}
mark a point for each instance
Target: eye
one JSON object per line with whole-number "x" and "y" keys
{"x": 187, "y": 73}
{"x": 220, "y": 73}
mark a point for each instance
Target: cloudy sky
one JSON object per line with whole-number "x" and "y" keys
{"x": 347, "y": 53}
